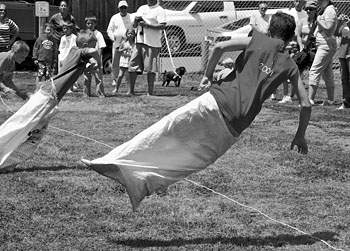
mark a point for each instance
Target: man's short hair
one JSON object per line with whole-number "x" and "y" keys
{"x": 84, "y": 37}
{"x": 282, "y": 25}
{"x": 20, "y": 46}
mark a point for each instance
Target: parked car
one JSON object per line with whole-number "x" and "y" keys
{"x": 235, "y": 29}
{"x": 187, "y": 21}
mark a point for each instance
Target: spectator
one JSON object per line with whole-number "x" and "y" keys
{"x": 298, "y": 13}
{"x": 260, "y": 21}
{"x": 326, "y": 47}
{"x": 68, "y": 41}
{"x": 8, "y": 30}
{"x": 305, "y": 24}
{"x": 57, "y": 20}
{"x": 150, "y": 21}
{"x": 18, "y": 53}
{"x": 90, "y": 22}
{"x": 116, "y": 30}
{"x": 343, "y": 30}
{"x": 126, "y": 47}
{"x": 45, "y": 55}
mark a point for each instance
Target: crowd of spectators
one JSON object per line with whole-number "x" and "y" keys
{"x": 136, "y": 46}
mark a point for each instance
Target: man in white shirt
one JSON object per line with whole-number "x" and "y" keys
{"x": 116, "y": 31}
{"x": 261, "y": 21}
{"x": 150, "y": 21}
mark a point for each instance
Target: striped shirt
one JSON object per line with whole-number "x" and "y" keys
{"x": 7, "y": 28}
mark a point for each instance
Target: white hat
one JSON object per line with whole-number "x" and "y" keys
{"x": 228, "y": 61}
{"x": 123, "y": 3}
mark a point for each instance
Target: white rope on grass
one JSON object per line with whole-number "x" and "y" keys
{"x": 202, "y": 186}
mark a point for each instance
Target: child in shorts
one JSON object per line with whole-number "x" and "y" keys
{"x": 45, "y": 52}
{"x": 90, "y": 22}
{"x": 126, "y": 47}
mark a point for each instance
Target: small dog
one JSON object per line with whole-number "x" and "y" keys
{"x": 174, "y": 76}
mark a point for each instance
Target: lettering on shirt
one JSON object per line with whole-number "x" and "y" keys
{"x": 265, "y": 69}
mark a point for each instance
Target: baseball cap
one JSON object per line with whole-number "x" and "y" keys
{"x": 228, "y": 61}
{"x": 310, "y": 4}
{"x": 123, "y": 3}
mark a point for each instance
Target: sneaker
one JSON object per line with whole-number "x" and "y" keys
{"x": 312, "y": 102}
{"x": 342, "y": 107}
{"x": 273, "y": 97}
{"x": 328, "y": 103}
{"x": 114, "y": 83}
{"x": 286, "y": 99}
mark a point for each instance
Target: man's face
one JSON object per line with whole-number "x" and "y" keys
{"x": 20, "y": 56}
{"x": 67, "y": 30}
{"x": 90, "y": 25}
{"x": 48, "y": 30}
{"x": 262, "y": 9}
{"x": 152, "y": 2}
{"x": 299, "y": 4}
{"x": 123, "y": 10}
{"x": 63, "y": 7}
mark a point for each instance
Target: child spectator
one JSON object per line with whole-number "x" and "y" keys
{"x": 45, "y": 55}
{"x": 90, "y": 22}
{"x": 343, "y": 30}
{"x": 68, "y": 40}
{"x": 18, "y": 53}
{"x": 126, "y": 46}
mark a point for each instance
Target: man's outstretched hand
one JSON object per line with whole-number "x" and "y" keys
{"x": 300, "y": 142}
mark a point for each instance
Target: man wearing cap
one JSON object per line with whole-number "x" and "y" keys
{"x": 150, "y": 21}
{"x": 116, "y": 31}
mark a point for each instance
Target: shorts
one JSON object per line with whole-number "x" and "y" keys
{"x": 44, "y": 70}
{"x": 144, "y": 58}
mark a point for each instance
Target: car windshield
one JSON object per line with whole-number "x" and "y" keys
{"x": 175, "y": 5}
{"x": 236, "y": 24}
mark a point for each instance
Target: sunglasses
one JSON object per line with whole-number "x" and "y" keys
{"x": 309, "y": 10}
{"x": 2, "y": 10}
{"x": 122, "y": 7}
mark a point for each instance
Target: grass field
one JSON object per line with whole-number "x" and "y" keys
{"x": 53, "y": 202}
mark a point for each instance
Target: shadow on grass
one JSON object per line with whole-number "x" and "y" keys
{"x": 44, "y": 168}
{"x": 275, "y": 241}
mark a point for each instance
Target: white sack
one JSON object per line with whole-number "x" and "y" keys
{"x": 185, "y": 141}
{"x": 26, "y": 123}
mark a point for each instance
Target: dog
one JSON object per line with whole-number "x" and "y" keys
{"x": 175, "y": 76}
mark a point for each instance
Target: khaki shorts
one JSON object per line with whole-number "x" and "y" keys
{"x": 144, "y": 58}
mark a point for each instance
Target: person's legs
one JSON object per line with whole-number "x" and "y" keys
{"x": 115, "y": 64}
{"x": 132, "y": 81}
{"x": 136, "y": 66}
{"x": 122, "y": 71}
{"x": 345, "y": 81}
{"x": 151, "y": 76}
{"x": 328, "y": 75}
{"x": 87, "y": 84}
{"x": 151, "y": 65}
{"x": 316, "y": 70}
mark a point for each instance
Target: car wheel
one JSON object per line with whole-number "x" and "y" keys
{"x": 176, "y": 41}
{"x": 107, "y": 63}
